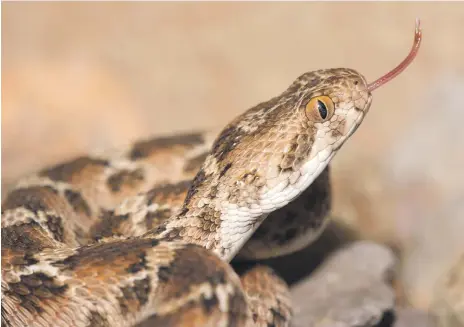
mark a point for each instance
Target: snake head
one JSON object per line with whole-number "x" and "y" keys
{"x": 298, "y": 132}
{"x": 270, "y": 154}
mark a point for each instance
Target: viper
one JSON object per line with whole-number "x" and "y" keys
{"x": 144, "y": 236}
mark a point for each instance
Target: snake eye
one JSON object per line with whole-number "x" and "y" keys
{"x": 320, "y": 108}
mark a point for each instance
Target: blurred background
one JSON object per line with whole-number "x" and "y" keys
{"x": 84, "y": 76}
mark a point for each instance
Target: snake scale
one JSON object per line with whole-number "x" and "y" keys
{"x": 144, "y": 236}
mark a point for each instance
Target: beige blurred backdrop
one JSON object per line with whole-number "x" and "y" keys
{"x": 81, "y": 76}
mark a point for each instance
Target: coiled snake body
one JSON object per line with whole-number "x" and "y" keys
{"x": 143, "y": 237}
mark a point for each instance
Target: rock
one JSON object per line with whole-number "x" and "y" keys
{"x": 414, "y": 318}
{"x": 350, "y": 289}
{"x": 425, "y": 170}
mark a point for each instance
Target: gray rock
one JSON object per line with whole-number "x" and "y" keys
{"x": 424, "y": 171}
{"x": 350, "y": 289}
{"x": 414, "y": 318}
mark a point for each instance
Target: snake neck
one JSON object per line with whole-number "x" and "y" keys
{"x": 221, "y": 215}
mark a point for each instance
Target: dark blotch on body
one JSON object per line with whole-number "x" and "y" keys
{"x": 138, "y": 266}
{"x": 226, "y": 142}
{"x": 209, "y": 304}
{"x": 134, "y": 296}
{"x": 96, "y": 319}
{"x": 155, "y": 218}
{"x": 125, "y": 178}
{"x": 20, "y": 238}
{"x": 78, "y": 203}
{"x": 144, "y": 149}
{"x": 107, "y": 226}
{"x": 192, "y": 265}
{"x": 197, "y": 181}
{"x": 93, "y": 254}
{"x": 225, "y": 169}
{"x": 55, "y": 226}
{"x": 162, "y": 192}
{"x": 65, "y": 172}
{"x": 32, "y": 289}
{"x": 33, "y": 198}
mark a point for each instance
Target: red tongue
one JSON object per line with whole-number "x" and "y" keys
{"x": 402, "y": 66}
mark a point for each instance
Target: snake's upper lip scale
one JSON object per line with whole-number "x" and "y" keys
{"x": 405, "y": 63}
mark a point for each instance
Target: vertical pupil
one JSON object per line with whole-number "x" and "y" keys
{"x": 322, "y": 109}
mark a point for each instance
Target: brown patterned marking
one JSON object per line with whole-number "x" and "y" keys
{"x": 33, "y": 290}
{"x": 107, "y": 226}
{"x": 134, "y": 297}
{"x": 197, "y": 181}
{"x": 144, "y": 149}
{"x": 194, "y": 164}
{"x": 163, "y": 273}
{"x": 16, "y": 258}
{"x": 157, "y": 217}
{"x": 96, "y": 319}
{"x": 78, "y": 203}
{"x": 225, "y": 169}
{"x": 168, "y": 192}
{"x": 125, "y": 178}
{"x": 192, "y": 265}
{"x": 55, "y": 226}
{"x": 209, "y": 304}
{"x": 28, "y": 237}
{"x": 101, "y": 254}
{"x": 227, "y": 141}
{"x": 65, "y": 172}
{"x": 138, "y": 266}
{"x": 34, "y": 198}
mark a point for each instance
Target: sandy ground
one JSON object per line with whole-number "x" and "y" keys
{"x": 80, "y": 76}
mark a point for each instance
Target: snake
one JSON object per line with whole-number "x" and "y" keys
{"x": 145, "y": 235}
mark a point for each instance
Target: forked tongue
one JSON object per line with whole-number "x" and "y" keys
{"x": 402, "y": 66}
